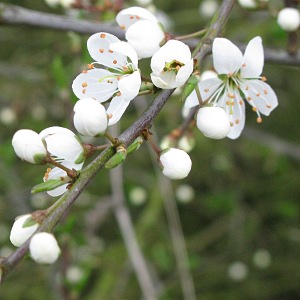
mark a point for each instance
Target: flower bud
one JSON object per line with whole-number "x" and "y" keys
{"x": 44, "y": 248}
{"x": 176, "y": 163}
{"x": 29, "y": 146}
{"x": 213, "y": 122}
{"x": 20, "y": 234}
{"x": 90, "y": 117}
{"x": 250, "y": 4}
{"x": 289, "y": 19}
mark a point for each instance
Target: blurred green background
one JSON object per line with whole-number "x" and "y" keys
{"x": 239, "y": 207}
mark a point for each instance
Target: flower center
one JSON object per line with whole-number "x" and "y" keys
{"x": 173, "y": 66}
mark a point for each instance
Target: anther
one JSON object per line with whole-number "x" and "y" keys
{"x": 123, "y": 27}
{"x": 109, "y": 116}
{"x": 258, "y": 94}
{"x": 249, "y": 98}
{"x": 237, "y": 121}
{"x": 269, "y": 106}
{"x": 84, "y": 84}
{"x": 254, "y": 109}
{"x": 206, "y": 90}
{"x": 119, "y": 94}
{"x": 265, "y": 92}
{"x": 101, "y": 50}
{"x": 243, "y": 65}
{"x": 90, "y": 66}
{"x": 110, "y": 51}
{"x": 259, "y": 120}
{"x": 241, "y": 102}
{"x": 84, "y": 71}
{"x": 263, "y": 78}
{"x": 131, "y": 17}
{"x": 231, "y": 124}
{"x": 114, "y": 62}
{"x": 102, "y": 35}
{"x": 83, "y": 91}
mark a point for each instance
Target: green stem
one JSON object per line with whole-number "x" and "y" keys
{"x": 191, "y": 35}
{"x": 71, "y": 173}
{"x": 112, "y": 139}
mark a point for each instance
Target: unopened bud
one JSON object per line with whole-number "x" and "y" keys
{"x": 289, "y": 19}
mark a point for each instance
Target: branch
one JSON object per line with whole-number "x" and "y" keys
{"x": 16, "y": 15}
{"x": 86, "y": 175}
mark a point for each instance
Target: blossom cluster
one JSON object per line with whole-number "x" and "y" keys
{"x": 113, "y": 79}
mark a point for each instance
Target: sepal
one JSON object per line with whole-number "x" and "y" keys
{"x": 48, "y": 185}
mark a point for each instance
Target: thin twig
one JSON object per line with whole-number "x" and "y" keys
{"x": 127, "y": 230}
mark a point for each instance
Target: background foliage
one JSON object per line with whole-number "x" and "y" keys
{"x": 243, "y": 217}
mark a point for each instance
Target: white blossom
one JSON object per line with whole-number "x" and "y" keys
{"x": 250, "y": 4}
{"x": 90, "y": 118}
{"x": 29, "y": 146}
{"x": 171, "y": 65}
{"x": 43, "y": 248}
{"x": 176, "y": 163}
{"x": 289, "y": 19}
{"x": 119, "y": 80}
{"x": 64, "y": 147}
{"x": 20, "y": 234}
{"x": 239, "y": 79}
{"x": 207, "y": 8}
{"x": 143, "y": 31}
{"x": 213, "y": 122}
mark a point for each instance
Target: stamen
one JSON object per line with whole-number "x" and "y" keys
{"x": 110, "y": 51}
{"x": 131, "y": 17}
{"x": 259, "y": 120}
{"x": 119, "y": 94}
{"x": 206, "y": 90}
{"x": 84, "y": 71}
{"x": 247, "y": 88}
{"x": 258, "y": 94}
{"x": 254, "y": 109}
{"x": 101, "y": 50}
{"x": 102, "y": 35}
{"x": 177, "y": 68}
{"x": 244, "y": 65}
{"x": 230, "y": 95}
{"x": 265, "y": 92}
{"x": 227, "y": 102}
{"x": 249, "y": 98}
{"x": 84, "y": 84}
{"x": 46, "y": 176}
{"x": 115, "y": 62}
{"x": 237, "y": 121}
{"x": 269, "y": 106}
{"x": 125, "y": 68}
{"x": 90, "y": 66}
{"x": 263, "y": 78}
{"x": 138, "y": 17}
{"x": 241, "y": 102}
{"x": 83, "y": 91}
{"x": 109, "y": 116}
{"x": 123, "y": 27}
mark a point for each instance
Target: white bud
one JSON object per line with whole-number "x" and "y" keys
{"x": 138, "y": 195}
{"x": 207, "y": 8}
{"x": 186, "y": 143}
{"x": 289, "y": 19}
{"x": 90, "y": 118}
{"x": 237, "y": 271}
{"x": 176, "y": 163}
{"x": 19, "y": 234}
{"x": 44, "y": 248}
{"x": 29, "y": 146}
{"x": 184, "y": 193}
{"x": 213, "y": 122}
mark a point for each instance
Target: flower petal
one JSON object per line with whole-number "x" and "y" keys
{"x": 129, "y": 85}
{"x": 116, "y": 109}
{"x": 191, "y": 100}
{"x": 235, "y": 108}
{"x": 227, "y": 57}
{"x": 253, "y": 59}
{"x": 99, "y": 48}
{"x": 164, "y": 81}
{"x": 145, "y": 37}
{"x": 208, "y": 87}
{"x": 99, "y": 84}
{"x": 260, "y": 95}
{"x": 54, "y": 130}
{"x": 184, "y": 73}
{"x": 127, "y": 50}
{"x": 131, "y": 15}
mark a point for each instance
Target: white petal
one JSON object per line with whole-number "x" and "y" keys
{"x": 54, "y": 130}
{"x": 260, "y": 95}
{"x": 129, "y": 85}
{"x": 164, "y": 81}
{"x": 236, "y": 114}
{"x": 145, "y": 37}
{"x": 227, "y": 57}
{"x": 129, "y": 16}
{"x": 64, "y": 146}
{"x": 99, "y": 48}
{"x": 116, "y": 109}
{"x": 184, "y": 73}
{"x": 208, "y": 87}
{"x": 127, "y": 50}
{"x": 253, "y": 59}
{"x": 98, "y": 84}
{"x": 191, "y": 100}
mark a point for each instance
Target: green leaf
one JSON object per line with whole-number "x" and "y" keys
{"x": 189, "y": 87}
{"x": 49, "y": 185}
{"x": 117, "y": 159}
{"x": 135, "y": 145}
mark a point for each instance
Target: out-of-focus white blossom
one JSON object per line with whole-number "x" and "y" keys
{"x": 43, "y": 248}
{"x": 7, "y": 116}
{"x": 63, "y": 3}
{"x": 213, "y": 122}
{"x": 171, "y": 65}
{"x": 176, "y": 163}
{"x": 29, "y": 146}
{"x": 207, "y": 8}
{"x": 20, "y": 234}
{"x": 262, "y": 258}
{"x": 249, "y": 4}
{"x": 120, "y": 80}
{"x": 137, "y": 195}
{"x": 289, "y": 19}
{"x": 74, "y": 274}
{"x": 184, "y": 193}
{"x": 90, "y": 118}
{"x": 237, "y": 271}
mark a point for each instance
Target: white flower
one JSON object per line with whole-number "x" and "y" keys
{"x": 248, "y": 3}
{"x": 29, "y": 146}
{"x": 43, "y": 248}
{"x": 239, "y": 79}
{"x": 171, "y": 65}
{"x": 90, "y": 117}
{"x": 208, "y": 74}
{"x": 120, "y": 80}
{"x": 289, "y": 19}
{"x": 63, "y": 146}
{"x": 64, "y": 3}
{"x": 207, "y": 8}
{"x": 143, "y": 31}
{"x": 176, "y": 163}
{"x": 213, "y": 122}
{"x": 20, "y": 234}
{"x": 237, "y": 271}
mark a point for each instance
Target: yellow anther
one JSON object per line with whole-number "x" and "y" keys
{"x": 259, "y": 120}
{"x": 84, "y": 84}
{"x": 102, "y": 35}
